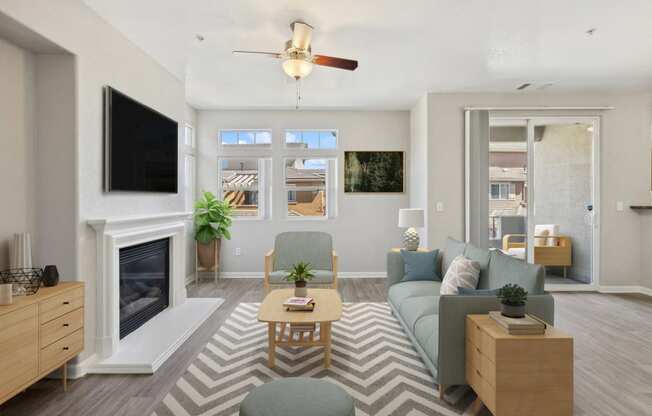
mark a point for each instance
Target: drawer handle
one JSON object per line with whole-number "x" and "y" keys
{"x": 66, "y": 303}
{"x": 477, "y": 349}
{"x": 478, "y": 371}
{"x": 66, "y": 324}
{"x": 65, "y": 348}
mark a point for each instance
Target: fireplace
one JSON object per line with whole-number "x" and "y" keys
{"x": 144, "y": 283}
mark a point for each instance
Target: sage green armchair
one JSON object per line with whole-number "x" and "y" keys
{"x": 292, "y": 247}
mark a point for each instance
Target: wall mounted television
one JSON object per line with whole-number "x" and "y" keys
{"x": 140, "y": 146}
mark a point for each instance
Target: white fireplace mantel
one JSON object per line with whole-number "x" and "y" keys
{"x": 116, "y": 233}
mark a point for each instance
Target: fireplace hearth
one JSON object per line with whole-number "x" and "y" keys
{"x": 144, "y": 283}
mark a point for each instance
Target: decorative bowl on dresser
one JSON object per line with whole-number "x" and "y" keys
{"x": 38, "y": 334}
{"x": 519, "y": 374}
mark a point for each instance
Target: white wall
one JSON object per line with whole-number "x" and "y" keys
{"x": 625, "y": 147}
{"x": 366, "y": 225}
{"x": 103, "y": 57}
{"x": 17, "y": 145}
{"x": 418, "y": 171}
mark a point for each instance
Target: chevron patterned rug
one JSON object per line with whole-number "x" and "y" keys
{"x": 372, "y": 359}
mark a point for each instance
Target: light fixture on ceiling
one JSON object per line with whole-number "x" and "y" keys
{"x": 523, "y": 86}
{"x": 591, "y": 32}
{"x": 297, "y": 68}
{"x": 199, "y": 37}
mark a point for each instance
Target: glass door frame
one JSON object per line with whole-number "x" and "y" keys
{"x": 531, "y": 122}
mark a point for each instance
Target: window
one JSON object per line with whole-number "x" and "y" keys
{"x": 239, "y": 182}
{"x": 190, "y": 167}
{"x": 502, "y": 191}
{"x": 311, "y": 139}
{"x": 306, "y": 187}
{"x": 262, "y": 138}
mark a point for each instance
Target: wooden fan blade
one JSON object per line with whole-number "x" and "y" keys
{"x": 270, "y": 54}
{"x": 301, "y": 35}
{"x": 341, "y": 63}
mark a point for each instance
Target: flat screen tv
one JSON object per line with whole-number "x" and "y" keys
{"x": 140, "y": 146}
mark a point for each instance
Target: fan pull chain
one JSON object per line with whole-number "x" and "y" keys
{"x": 298, "y": 93}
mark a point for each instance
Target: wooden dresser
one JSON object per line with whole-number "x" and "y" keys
{"x": 38, "y": 334}
{"x": 519, "y": 374}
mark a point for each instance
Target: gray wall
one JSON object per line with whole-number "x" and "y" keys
{"x": 366, "y": 225}
{"x": 418, "y": 172}
{"x": 625, "y": 140}
{"x": 563, "y": 186}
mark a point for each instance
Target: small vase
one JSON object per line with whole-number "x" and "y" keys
{"x": 50, "y": 276}
{"x": 512, "y": 311}
{"x": 300, "y": 289}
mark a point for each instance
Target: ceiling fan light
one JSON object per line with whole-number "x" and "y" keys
{"x": 297, "y": 68}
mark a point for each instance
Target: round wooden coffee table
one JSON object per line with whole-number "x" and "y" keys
{"x": 300, "y": 326}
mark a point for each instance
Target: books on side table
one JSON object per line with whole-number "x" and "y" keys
{"x": 300, "y": 304}
{"x": 528, "y": 325}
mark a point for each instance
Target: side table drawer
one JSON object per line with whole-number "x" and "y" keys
{"x": 56, "y": 353}
{"x": 59, "y": 327}
{"x": 61, "y": 304}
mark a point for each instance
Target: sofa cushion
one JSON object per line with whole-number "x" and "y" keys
{"x": 483, "y": 257}
{"x": 426, "y": 331}
{"x": 414, "y": 308}
{"x": 321, "y": 277}
{"x": 462, "y": 272}
{"x": 399, "y": 292}
{"x": 477, "y": 292}
{"x": 504, "y": 269}
{"x": 420, "y": 265}
{"x": 453, "y": 249}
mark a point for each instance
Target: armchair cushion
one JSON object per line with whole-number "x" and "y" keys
{"x": 311, "y": 247}
{"x": 321, "y": 277}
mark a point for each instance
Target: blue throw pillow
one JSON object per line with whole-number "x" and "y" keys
{"x": 420, "y": 265}
{"x": 477, "y": 292}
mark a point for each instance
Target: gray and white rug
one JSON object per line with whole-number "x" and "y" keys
{"x": 372, "y": 359}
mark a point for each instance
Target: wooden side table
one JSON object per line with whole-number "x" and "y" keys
{"x": 519, "y": 374}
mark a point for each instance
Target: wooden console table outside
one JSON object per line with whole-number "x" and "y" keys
{"x": 519, "y": 374}
{"x": 328, "y": 308}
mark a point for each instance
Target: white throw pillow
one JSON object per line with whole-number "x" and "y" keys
{"x": 462, "y": 272}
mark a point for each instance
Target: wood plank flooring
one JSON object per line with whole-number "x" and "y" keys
{"x": 613, "y": 356}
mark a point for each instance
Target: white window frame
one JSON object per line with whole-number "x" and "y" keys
{"x": 264, "y": 170}
{"x": 337, "y": 140}
{"x": 189, "y": 156}
{"x": 254, "y": 145}
{"x": 510, "y": 186}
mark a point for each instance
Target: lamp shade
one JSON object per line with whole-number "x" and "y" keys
{"x": 410, "y": 217}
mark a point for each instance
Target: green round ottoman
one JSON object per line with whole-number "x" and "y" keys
{"x": 297, "y": 396}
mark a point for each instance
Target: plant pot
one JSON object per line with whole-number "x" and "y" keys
{"x": 50, "y": 276}
{"x": 512, "y": 311}
{"x": 300, "y": 289}
{"x": 206, "y": 254}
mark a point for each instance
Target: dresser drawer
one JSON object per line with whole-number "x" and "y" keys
{"x": 56, "y": 306}
{"x": 18, "y": 349}
{"x": 473, "y": 333}
{"x": 488, "y": 370}
{"x": 488, "y": 395}
{"x": 62, "y": 350}
{"x": 59, "y": 327}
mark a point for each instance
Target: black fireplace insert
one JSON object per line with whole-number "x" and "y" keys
{"x": 144, "y": 283}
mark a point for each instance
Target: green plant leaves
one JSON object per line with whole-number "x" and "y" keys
{"x": 212, "y": 219}
{"x": 300, "y": 272}
{"x": 512, "y": 294}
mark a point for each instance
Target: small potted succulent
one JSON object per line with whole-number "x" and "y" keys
{"x": 512, "y": 301}
{"x": 300, "y": 274}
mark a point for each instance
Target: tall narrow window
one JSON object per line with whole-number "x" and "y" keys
{"x": 240, "y": 184}
{"x": 190, "y": 166}
{"x": 306, "y": 187}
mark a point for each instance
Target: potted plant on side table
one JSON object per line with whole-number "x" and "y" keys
{"x": 512, "y": 301}
{"x": 300, "y": 274}
{"x": 212, "y": 222}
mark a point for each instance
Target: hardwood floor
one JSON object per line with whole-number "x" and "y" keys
{"x": 613, "y": 356}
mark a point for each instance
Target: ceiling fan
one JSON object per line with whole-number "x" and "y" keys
{"x": 297, "y": 57}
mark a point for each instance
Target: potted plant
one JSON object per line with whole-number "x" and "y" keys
{"x": 512, "y": 301}
{"x": 300, "y": 274}
{"x": 212, "y": 221}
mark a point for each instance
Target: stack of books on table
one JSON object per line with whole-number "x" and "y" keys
{"x": 528, "y": 325}
{"x": 306, "y": 304}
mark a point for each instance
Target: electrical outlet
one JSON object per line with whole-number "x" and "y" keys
{"x": 440, "y": 207}
{"x": 238, "y": 251}
{"x": 620, "y": 206}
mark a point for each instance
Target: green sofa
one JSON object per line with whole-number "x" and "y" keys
{"x": 435, "y": 324}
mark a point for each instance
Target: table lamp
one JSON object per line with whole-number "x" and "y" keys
{"x": 410, "y": 218}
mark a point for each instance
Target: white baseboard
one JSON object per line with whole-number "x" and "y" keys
{"x": 626, "y": 289}
{"x": 340, "y": 275}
